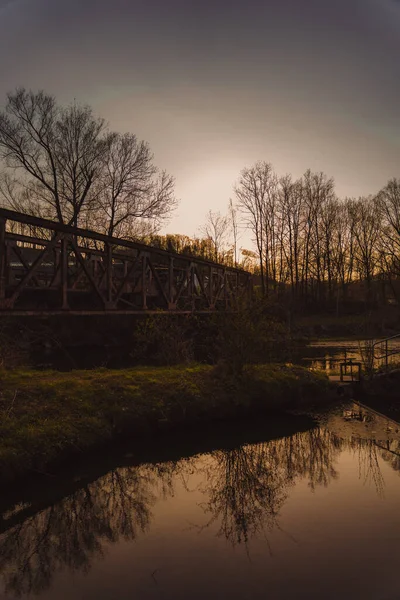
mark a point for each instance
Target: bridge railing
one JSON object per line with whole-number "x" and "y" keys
{"x": 383, "y": 351}
{"x": 47, "y": 267}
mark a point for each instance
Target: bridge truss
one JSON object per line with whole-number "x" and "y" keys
{"x": 49, "y": 268}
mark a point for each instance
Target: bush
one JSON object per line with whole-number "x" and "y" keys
{"x": 163, "y": 340}
{"x": 252, "y": 335}
{"x": 11, "y": 352}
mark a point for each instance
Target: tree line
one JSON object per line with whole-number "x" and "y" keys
{"x": 65, "y": 164}
{"x": 313, "y": 244}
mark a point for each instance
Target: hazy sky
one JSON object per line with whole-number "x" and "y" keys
{"x": 214, "y": 86}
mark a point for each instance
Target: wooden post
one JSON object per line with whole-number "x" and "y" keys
{"x": 210, "y": 287}
{"x": 144, "y": 282}
{"x": 171, "y": 303}
{"x": 3, "y": 262}
{"x": 64, "y": 274}
{"x": 109, "y": 274}
{"x": 192, "y": 287}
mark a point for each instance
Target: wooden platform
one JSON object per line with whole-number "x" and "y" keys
{"x": 346, "y": 379}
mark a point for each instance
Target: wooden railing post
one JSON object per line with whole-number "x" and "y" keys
{"x": 191, "y": 287}
{"x": 64, "y": 274}
{"x": 171, "y": 303}
{"x": 144, "y": 282}
{"x": 3, "y": 262}
{"x": 210, "y": 287}
{"x": 109, "y": 275}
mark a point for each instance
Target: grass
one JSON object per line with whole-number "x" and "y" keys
{"x": 49, "y": 416}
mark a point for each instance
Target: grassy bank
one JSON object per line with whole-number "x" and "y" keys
{"x": 48, "y": 416}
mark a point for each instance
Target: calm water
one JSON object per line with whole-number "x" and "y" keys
{"x": 327, "y": 354}
{"x": 307, "y": 510}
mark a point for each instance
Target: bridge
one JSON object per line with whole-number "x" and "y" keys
{"x": 49, "y": 268}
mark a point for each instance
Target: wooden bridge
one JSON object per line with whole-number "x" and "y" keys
{"x": 49, "y": 268}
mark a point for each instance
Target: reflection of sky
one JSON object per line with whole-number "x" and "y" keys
{"x": 215, "y": 86}
{"x": 317, "y": 508}
{"x": 322, "y": 546}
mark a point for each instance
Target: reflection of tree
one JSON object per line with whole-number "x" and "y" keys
{"x": 390, "y": 452}
{"x": 244, "y": 491}
{"x": 247, "y": 486}
{"x": 310, "y": 454}
{"x": 74, "y": 532}
{"x": 368, "y": 464}
{"x": 370, "y": 448}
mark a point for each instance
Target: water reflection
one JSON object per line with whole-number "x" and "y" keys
{"x": 243, "y": 492}
{"x": 74, "y": 532}
{"x": 247, "y": 487}
{"x": 325, "y": 355}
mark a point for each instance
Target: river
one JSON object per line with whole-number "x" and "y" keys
{"x": 293, "y": 507}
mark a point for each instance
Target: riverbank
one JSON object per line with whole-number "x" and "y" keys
{"x": 48, "y": 416}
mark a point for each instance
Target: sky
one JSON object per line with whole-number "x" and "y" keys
{"x": 215, "y": 85}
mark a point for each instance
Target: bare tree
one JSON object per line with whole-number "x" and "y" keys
{"x": 318, "y": 189}
{"x": 215, "y": 230}
{"x": 341, "y": 246}
{"x": 131, "y": 188}
{"x": 291, "y": 206}
{"x": 55, "y": 153}
{"x": 366, "y": 232}
{"x": 232, "y": 212}
{"x": 312, "y": 245}
{"x": 253, "y": 191}
{"x": 388, "y": 201}
{"x": 62, "y": 163}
